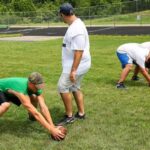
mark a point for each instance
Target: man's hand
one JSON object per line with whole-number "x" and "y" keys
{"x": 73, "y": 76}
{"x": 57, "y": 134}
{"x": 76, "y": 62}
{"x": 145, "y": 74}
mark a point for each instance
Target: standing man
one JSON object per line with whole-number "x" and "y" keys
{"x": 133, "y": 53}
{"x": 28, "y": 92}
{"x": 76, "y": 61}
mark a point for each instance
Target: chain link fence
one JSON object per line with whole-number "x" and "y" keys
{"x": 109, "y": 15}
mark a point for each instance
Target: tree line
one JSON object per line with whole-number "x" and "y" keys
{"x": 43, "y": 11}
{"x": 48, "y": 5}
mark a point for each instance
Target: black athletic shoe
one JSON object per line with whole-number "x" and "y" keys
{"x": 135, "y": 78}
{"x": 120, "y": 85}
{"x": 77, "y": 116}
{"x": 66, "y": 120}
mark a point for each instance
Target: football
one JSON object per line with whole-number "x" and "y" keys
{"x": 63, "y": 130}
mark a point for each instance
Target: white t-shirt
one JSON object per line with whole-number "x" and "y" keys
{"x": 76, "y": 38}
{"x": 146, "y": 45}
{"x": 136, "y": 52}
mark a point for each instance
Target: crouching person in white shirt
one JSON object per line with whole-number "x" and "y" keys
{"x": 133, "y": 53}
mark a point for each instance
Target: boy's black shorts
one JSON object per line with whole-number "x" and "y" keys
{"x": 4, "y": 97}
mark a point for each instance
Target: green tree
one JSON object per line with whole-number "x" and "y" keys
{"x": 23, "y": 5}
{"x": 5, "y": 1}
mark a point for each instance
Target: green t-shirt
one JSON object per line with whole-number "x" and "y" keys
{"x": 17, "y": 84}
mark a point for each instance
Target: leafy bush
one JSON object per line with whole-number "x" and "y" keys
{"x": 23, "y": 6}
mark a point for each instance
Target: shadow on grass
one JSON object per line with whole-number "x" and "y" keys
{"x": 57, "y": 113}
{"x": 128, "y": 83}
{"x": 19, "y": 128}
{"x": 26, "y": 128}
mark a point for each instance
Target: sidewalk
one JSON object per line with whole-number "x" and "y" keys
{"x": 30, "y": 38}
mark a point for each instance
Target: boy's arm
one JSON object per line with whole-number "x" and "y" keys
{"x": 145, "y": 74}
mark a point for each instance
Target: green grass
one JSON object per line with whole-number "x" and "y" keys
{"x": 3, "y": 26}
{"x": 116, "y": 119}
{"x": 10, "y": 35}
{"x": 122, "y": 19}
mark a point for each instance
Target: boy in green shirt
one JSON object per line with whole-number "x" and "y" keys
{"x": 28, "y": 92}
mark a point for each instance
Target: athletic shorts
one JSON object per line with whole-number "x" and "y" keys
{"x": 6, "y": 98}
{"x": 124, "y": 59}
{"x": 65, "y": 85}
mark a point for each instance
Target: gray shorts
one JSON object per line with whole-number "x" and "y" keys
{"x": 65, "y": 85}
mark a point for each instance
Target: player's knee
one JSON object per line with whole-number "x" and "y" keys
{"x": 62, "y": 88}
{"x": 4, "y": 107}
{"x": 129, "y": 66}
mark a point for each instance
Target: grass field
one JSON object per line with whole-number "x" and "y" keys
{"x": 122, "y": 19}
{"x": 10, "y": 35}
{"x": 116, "y": 119}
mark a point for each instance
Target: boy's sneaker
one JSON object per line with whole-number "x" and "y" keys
{"x": 135, "y": 78}
{"x": 77, "y": 116}
{"x": 66, "y": 120}
{"x": 120, "y": 85}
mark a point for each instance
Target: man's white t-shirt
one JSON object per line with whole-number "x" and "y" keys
{"x": 76, "y": 38}
{"x": 146, "y": 45}
{"x": 135, "y": 51}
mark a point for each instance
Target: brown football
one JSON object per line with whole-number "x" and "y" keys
{"x": 63, "y": 130}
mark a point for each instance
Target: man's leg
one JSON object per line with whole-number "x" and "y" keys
{"x": 135, "y": 75}
{"x": 4, "y": 107}
{"x": 35, "y": 104}
{"x": 125, "y": 72}
{"x": 67, "y": 100}
{"x": 79, "y": 101}
{"x": 34, "y": 101}
{"x": 68, "y": 118}
{"x": 64, "y": 85}
{"x": 126, "y": 62}
{"x": 78, "y": 96}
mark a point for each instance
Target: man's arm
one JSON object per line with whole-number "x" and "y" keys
{"x": 25, "y": 100}
{"x": 76, "y": 62}
{"x": 44, "y": 109}
{"x": 136, "y": 71}
{"x": 145, "y": 74}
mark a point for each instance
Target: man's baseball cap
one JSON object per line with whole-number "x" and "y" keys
{"x": 66, "y": 9}
{"x": 37, "y": 79}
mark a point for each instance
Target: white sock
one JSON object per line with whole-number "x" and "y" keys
{"x": 81, "y": 114}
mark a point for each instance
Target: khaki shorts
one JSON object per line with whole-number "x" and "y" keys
{"x": 65, "y": 85}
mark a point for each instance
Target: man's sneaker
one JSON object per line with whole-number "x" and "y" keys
{"x": 77, "y": 116}
{"x": 135, "y": 78}
{"x": 120, "y": 85}
{"x": 66, "y": 120}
